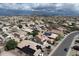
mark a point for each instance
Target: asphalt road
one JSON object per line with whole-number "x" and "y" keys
{"x": 65, "y": 44}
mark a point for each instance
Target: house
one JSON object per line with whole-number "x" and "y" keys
{"x": 27, "y": 50}
{"x": 47, "y": 33}
{"x": 19, "y": 34}
{"x": 50, "y": 35}
{"x": 5, "y": 29}
{"x": 65, "y": 24}
{"x": 47, "y": 36}
{"x": 51, "y": 41}
{"x": 16, "y": 35}
{"x": 56, "y": 31}
{"x": 27, "y": 29}
{"x": 61, "y": 29}
{"x": 29, "y": 47}
{"x": 53, "y": 36}
{"x": 77, "y": 22}
{"x": 30, "y": 23}
{"x": 42, "y": 37}
{"x": 10, "y": 36}
{"x": 14, "y": 29}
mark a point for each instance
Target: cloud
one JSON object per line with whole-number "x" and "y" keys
{"x": 18, "y": 6}
{"x": 57, "y": 6}
{"x": 61, "y": 8}
{"x": 39, "y": 6}
{"x": 57, "y": 9}
{"x": 28, "y": 6}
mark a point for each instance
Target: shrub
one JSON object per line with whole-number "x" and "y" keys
{"x": 34, "y": 33}
{"x": 58, "y": 38}
{"x": 20, "y": 26}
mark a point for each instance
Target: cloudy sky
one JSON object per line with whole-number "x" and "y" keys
{"x": 41, "y": 8}
{"x": 31, "y": 6}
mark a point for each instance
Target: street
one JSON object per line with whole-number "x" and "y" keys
{"x": 65, "y": 44}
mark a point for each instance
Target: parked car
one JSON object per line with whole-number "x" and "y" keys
{"x": 77, "y": 41}
{"x": 75, "y": 48}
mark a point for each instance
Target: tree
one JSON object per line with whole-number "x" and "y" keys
{"x": 73, "y": 24}
{"x": 34, "y": 33}
{"x": 29, "y": 33}
{"x": 73, "y": 28}
{"x": 58, "y": 38}
{"x": 48, "y": 47}
{"x": 10, "y": 45}
{"x": 20, "y": 26}
{"x": 20, "y": 21}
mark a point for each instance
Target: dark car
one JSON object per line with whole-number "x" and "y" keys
{"x": 66, "y": 49}
{"x": 77, "y": 41}
{"x": 75, "y": 48}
